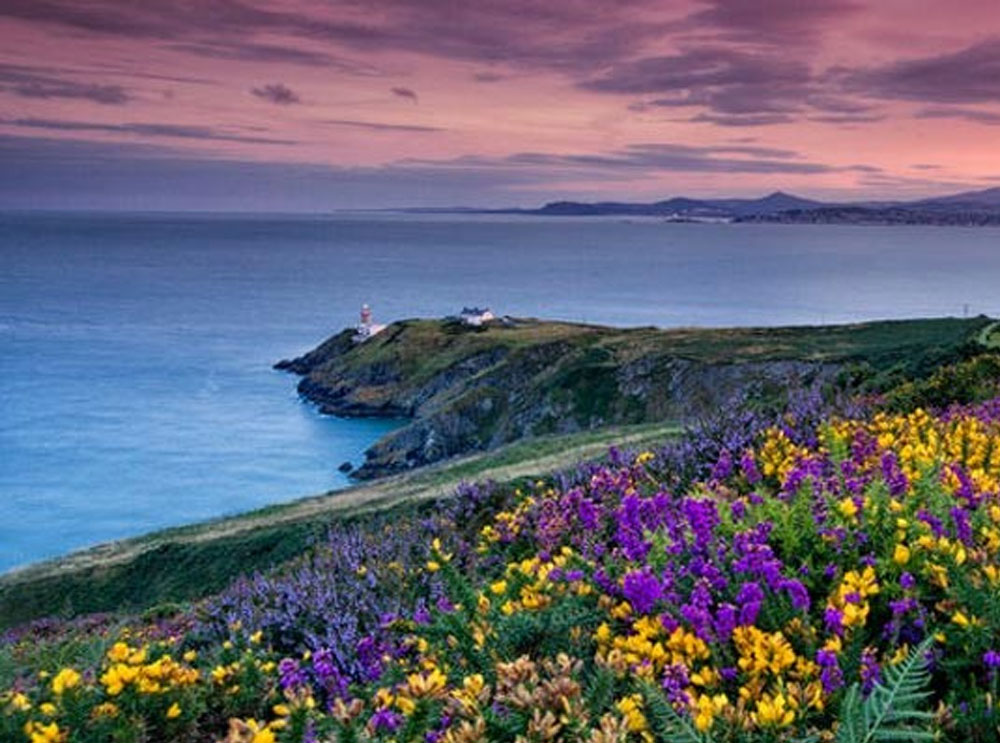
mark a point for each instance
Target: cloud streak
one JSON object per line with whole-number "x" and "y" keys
{"x": 967, "y": 75}
{"x": 35, "y": 82}
{"x": 405, "y": 93}
{"x": 175, "y": 131}
{"x": 378, "y": 126}
{"x": 277, "y": 93}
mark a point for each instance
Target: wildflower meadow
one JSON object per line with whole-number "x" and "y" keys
{"x": 812, "y": 575}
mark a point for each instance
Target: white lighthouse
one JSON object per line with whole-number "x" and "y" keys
{"x": 366, "y": 328}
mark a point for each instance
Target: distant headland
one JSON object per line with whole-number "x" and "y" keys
{"x": 968, "y": 209}
{"x": 475, "y": 381}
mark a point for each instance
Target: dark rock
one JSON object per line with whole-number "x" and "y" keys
{"x": 346, "y": 467}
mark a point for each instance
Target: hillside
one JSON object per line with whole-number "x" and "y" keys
{"x": 466, "y": 389}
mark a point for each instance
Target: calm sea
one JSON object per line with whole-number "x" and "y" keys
{"x": 136, "y": 388}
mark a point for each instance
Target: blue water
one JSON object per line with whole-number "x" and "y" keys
{"x": 135, "y": 351}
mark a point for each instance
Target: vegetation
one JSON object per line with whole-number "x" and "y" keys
{"x": 811, "y": 565}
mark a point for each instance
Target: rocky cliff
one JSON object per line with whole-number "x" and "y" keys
{"x": 464, "y": 389}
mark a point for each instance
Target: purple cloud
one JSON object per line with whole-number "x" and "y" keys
{"x": 254, "y": 52}
{"x": 407, "y": 93}
{"x": 382, "y": 127}
{"x": 976, "y": 115}
{"x": 40, "y": 82}
{"x": 649, "y": 158}
{"x": 778, "y": 22}
{"x": 181, "y": 131}
{"x": 728, "y": 82}
{"x": 764, "y": 119}
{"x": 277, "y": 93}
{"x": 969, "y": 75}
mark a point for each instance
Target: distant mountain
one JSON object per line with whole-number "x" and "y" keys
{"x": 973, "y": 208}
{"x": 988, "y": 199}
{"x": 680, "y": 207}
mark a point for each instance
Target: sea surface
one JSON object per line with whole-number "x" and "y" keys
{"x": 136, "y": 388}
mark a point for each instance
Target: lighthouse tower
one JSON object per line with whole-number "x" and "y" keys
{"x": 366, "y": 328}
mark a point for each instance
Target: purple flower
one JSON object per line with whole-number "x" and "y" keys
{"x": 797, "y": 593}
{"x": 385, "y": 720}
{"x": 834, "y": 620}
{"x": 963, "y": 525}
{"x": 871, "y": 674}
{"x": 642, "y": 590}
{"x": 749, "y": 466}
{"x": 675, "y": 680}
{"x": 830, "y": 674}
{"x": 290, "y": 675}
{"x": 991, "y": 659}
{"x": 723, "y": 466}
{"x": 738, "y": 509}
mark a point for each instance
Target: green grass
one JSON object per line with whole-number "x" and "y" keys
{"x": 428, "y": 346}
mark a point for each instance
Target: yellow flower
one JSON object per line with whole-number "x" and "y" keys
{"x": 631, "y": 709}
{"x": 119, "y": 652}
{"x": 426, "y": 685}
{"x": 105, "y": 709}
{"x": 901, "y": 555}
{"x": 174, "y": 711}
{"x": 20, "y": 702}
{"x": 251, "y": 731}
{"x": 706, "y": 708}
{"x": 39, "y": 733}
{"x": 848, "y": 507}
{"x": 67, "y": 678}
{"x": 499, "y": 588}
{"x": 772, "y": 712}
{"x": 960, "y": 619}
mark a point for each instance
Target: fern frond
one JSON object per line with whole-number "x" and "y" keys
{"x": 666, "y": 723}
{"x": 890, "y": 713}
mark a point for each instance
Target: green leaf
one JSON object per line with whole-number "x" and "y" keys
{"x": 890, "y": 713}
{"x": 666, "y": 723}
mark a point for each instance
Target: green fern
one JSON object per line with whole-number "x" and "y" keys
{"x": 667, "y": 724}
{"x": 890, "y": 713}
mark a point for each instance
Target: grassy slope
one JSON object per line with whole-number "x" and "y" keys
{"x": 188, "y": 562}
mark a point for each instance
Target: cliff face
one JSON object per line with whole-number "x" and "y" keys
{"x": 464, "y": 389}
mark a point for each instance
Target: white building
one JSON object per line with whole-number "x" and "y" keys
{"x": 476, "y": 316}
{"x": 366, "y": 328}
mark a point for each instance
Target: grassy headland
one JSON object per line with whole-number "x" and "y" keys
{"x": 474, "y": 389}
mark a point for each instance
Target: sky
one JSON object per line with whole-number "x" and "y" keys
{"x": 315, "y": 105}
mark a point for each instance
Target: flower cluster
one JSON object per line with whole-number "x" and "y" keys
{"x": 751, "y": 599}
